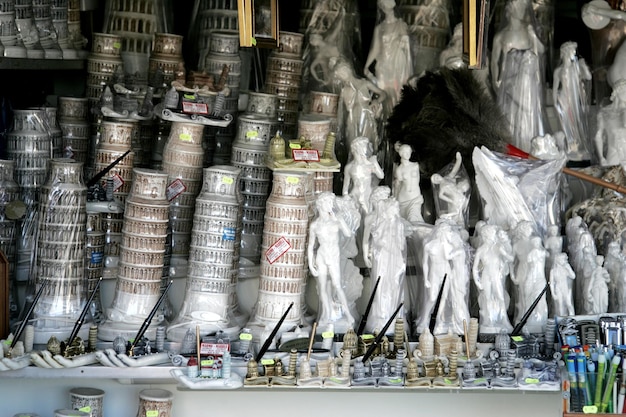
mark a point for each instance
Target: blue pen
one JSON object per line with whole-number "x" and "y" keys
{"x": 583, "y": 383}
{"x": 591, "y": 369}
{"x": 575, "y": 403}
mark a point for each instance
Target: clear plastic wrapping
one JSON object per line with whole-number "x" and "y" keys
{"x": 513, "y": 189}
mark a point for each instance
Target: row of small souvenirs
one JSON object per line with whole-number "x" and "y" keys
{"x": 351, "y": 360}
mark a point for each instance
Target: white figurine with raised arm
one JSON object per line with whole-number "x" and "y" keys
{"x": 324, "y": 260}
{"x": 360, "y": 172}
{"x": 452, "y": 193}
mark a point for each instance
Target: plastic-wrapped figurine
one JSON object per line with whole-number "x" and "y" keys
{"x": 610, "y": 140}
{"x": 390, "y": 54}
{"x": 492, "y": 263}
{"x": 406, "y": 185}
{"x": 385, "y": 234}
{"x": 615, "y": 264}
{"x": 561, "y": 276}
{"x": 361, "y": 104}
{"x": 571, "y": 100}
{"x": 324, "y": 261}
{"x": 358, "y": 173}
{"x": 445, "y": 253}
{"x": 452, "y": 193}
{"x": 516, "y": 71}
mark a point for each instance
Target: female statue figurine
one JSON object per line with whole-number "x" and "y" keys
{"x": 390, "y": 54}
{"x": 569, "y": 92}
{"x": 531, "y": 283}
{"x": 517, "y": 74}
{"x": 358, "y": 173}
{"x": 492, "y": 262}
{"x": 406, "y": 185}
{"x": 361, "y": 104}
{"x": 445, "y": 253}
{"x": 610, "y": 138}
{"x": 324, "y": 263}
{"x": 596, "y": 289}
{"x": 384, "y": 236}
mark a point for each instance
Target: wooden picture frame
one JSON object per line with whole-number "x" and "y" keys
{"x": 258, "y": 23}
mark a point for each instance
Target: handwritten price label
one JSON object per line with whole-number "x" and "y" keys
{"x": 117, "y": 182}
{"x": 227, "y": 180}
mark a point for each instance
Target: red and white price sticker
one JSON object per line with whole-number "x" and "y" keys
{"x": 277, "y": 250}
{"x": 306, "y": 155}
{"x": 197, "y": 108}
{"x": 175, "y": 189}
{"x": 117, "y": 182}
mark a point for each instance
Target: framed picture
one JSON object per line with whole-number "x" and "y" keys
{"x": 258, "y": 23}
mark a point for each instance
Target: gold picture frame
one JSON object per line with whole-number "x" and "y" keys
{"x": 258, "y": 23}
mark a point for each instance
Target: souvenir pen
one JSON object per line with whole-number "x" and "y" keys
{"x": 575, "y": 404}
{"x": 622, "y": 391}
{"x": 591, "y": 370}
{"x": 583, "y": 383}
{"x": 609, "y": 385}
{"x": 597, "y": 397}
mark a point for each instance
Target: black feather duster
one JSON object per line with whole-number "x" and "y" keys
{"x": 447, "y": 111}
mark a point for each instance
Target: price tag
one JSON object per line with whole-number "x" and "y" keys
{"x": 367, "y": 336}
{"x": 293, "y": 180}
{"x": 176, "y": 188}
{"x": 117, "y": 182}
{"x": 117, "y": 45}
{"x": 207, "y": 362}
{"x": 185, "y": 137}
{"x": 228, "y": 233}
{"x": 306, "y": 155}
{"x": 251, "y": 134}
{"x": 245, "y": 336}
{"x": 395, "y": 380}
{"x": 590, "y": 409}
{"x": 8, "y": 342}
{"x": 227, "y": 180}
{"x": 277, "y": 250}
{"x": 152, "y": 413}
{"x": 86, "y": 409}
{"x": 189, "y": 96}
{"x": 531, "y": 380}
{"x": 517, "y": 338}
{"x": 294, "y": 145}
{"x": 266, "y": 362}
{"x": 328, "y": 335}
{"x": 196, "y": 108}
{"x": 447, "y": 381}
{"x": 253, "y": 41}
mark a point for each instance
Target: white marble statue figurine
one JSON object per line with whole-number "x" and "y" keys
{"x": 386, "y": 234}
{"x": 324, "y": 261}
{"x": 615, "y": 264}
{"x": 452, "y": 193}
{"x": 571, "y": 82}
{"x": 529, "y": 275}
{"x": 390, "y": 55}
{"x": 406, "y": 185}
{"x": 561, "y": 277}
{"x": 596, "y": 289}
{"x": 452, "y": 57}
{"x": 360, "y": 172}
{"x": 492, "y": 262}
{"x": 610, "y": 137}
{"x": 361, "y": 104}
{"x": 553, "y": 242}
{"x": 445, "y": 253}
{"x": 516, "y": 73}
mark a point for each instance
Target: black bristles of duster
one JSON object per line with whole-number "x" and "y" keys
{"x": 447, "y": 111}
